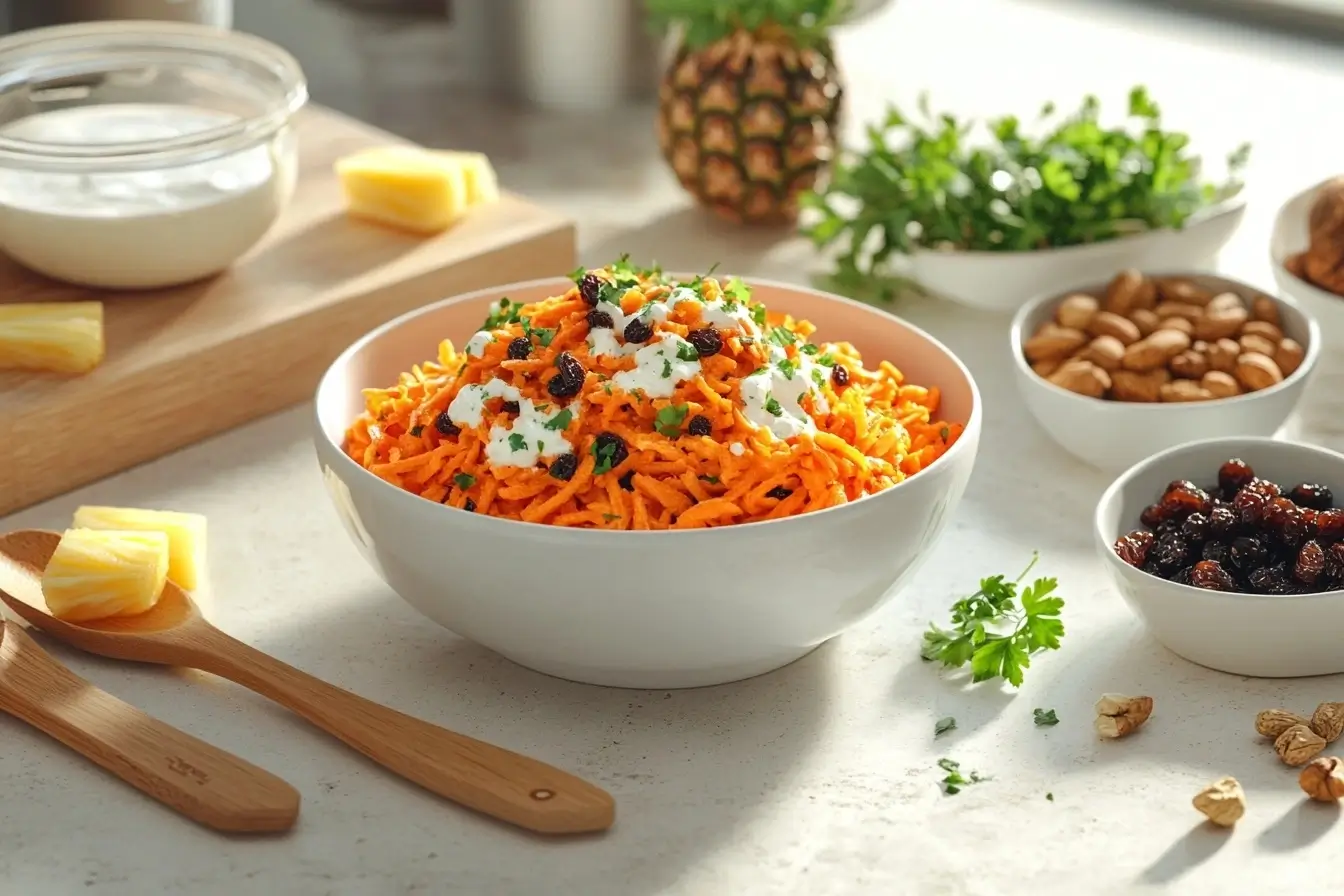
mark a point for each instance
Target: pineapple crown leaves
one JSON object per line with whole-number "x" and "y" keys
{"x": 804, "y": 22}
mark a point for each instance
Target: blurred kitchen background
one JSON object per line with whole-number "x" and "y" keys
{"x": 560, "y": 93}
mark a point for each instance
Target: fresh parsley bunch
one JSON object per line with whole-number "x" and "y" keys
{"x": 996, "y": 630}
{"x": 942, "y": 184}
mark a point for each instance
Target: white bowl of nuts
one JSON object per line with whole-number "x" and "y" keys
{"x": 1231, "y": 551}
{"x": 1306, "y": 261}
{"x": 1116, "y": 372}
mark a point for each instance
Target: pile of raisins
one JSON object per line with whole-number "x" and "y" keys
{"x": 1245, "y": 534}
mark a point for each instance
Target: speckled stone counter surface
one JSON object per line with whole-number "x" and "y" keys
{"x": 817, "y": 779}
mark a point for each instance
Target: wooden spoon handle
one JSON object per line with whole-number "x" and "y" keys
{"x": 202, "y": 782}
{"x": 489, "y": 779}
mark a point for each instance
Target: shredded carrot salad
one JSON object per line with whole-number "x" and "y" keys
{"x": 634, "y": 401}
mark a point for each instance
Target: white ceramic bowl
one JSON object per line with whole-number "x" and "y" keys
{"x": 1112, "y": 435}
{"x": 1003, "y": 281}
{"x": 1289, "y": 238}
{"x": 1245, "y": 634}
{"x": 646, "y": 609}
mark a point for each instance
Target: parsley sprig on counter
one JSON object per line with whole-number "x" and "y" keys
{"x": 996, "y": 635}
{"x": 947, "y": 183}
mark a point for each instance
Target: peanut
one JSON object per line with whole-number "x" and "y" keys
{"x": 1052, "y": 342}
{"x": 1045, "y": 368}
{"x": 1220, "y": 385}
{"x": 1176, "y": 323}
{"x": 1129, "y": 290}
{"x": 1262, "y": 328}
{"x": 1189, "y": 364}
{"x": 1104, "y": 323}
{"x": 1223, "y": 355}
{"x": 1220, "y": 322}
{"x": 1288, "y": 356}
{"x": 1255, "y": 371}
{"x": 1266, "y": 309}
{"x": 1082, "y": 377}
{"x": 1253, "y": 343}
{"x": 1126, "y": 385}
{"x": 1184, "y": 390}
{"x": 1191, "y": 313}
{"x": 1076, "y": 311}
{"x": 1105, "y": 351}
{"x": 1155, "y": 350}
{"x": 1145, "y": 319}
{"x": 1176, "y": 289}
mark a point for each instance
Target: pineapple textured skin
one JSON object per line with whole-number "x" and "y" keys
{"x": 96, "y": 574}
{"x": 186, "y": 533}
{"x": 59, "y": 337}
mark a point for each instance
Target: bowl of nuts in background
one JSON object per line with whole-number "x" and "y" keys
{"x": 1307, "y": 254}
{"x": 1231, "y": 551}
{"x": 1116, "y": 372}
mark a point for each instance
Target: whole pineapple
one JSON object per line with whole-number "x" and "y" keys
{"x": 749, "y": 106}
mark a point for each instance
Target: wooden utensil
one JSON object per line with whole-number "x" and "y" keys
{"x": 202, "y": 782}
{"x": 489, "y": 779}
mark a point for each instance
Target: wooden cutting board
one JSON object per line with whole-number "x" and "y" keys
{"x": 186, "y": 363}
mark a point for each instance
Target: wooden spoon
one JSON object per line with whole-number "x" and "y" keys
{"x": 202, "y": 782}
{"x": 489, "y": 779}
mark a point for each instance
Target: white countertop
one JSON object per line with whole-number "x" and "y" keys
{"x": 816, "y": 779}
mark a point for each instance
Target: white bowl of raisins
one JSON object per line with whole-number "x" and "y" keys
{"x": 1232, "y": 553}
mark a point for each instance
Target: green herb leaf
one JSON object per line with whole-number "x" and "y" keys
{"x": 464, "y": 481}
{"x": 605, "y": 456}
{"x": 944, "y": 433}
{"x": 782, "y": 336}
{"x": 416, "y": 430}
{"x": 667, "y": 368}
{"x": 668, "y": 420}
{"x": 758, "y": 315}
{"x": 712, "y": 480}
{"x": 788, "y": 368}
{"x": 1044, "y": 717}
{"x": 772, "y": 406}
{"x": 736, "y": 291}
{"x": 559, "y": 421}
{"x": 578, "y": 274}
{"x": 687, "y": 352}
{"x": 944, "y": 725}
{"x": 827, "y": 360}
{"x": 611, "y": 516}
{"x": 808, "y": 349}
{"x": 517, "y": 442}
{"x": 544, "y": 334}
{"x": 506, "y": 312}
{"x": 818, "y": 377}
{"x": 1050, "y": 797}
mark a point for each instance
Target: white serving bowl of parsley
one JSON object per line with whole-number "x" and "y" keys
{"x": 1112, "y": 435}
{"x": 990, "y": 215}
{"x": 646, "y": 609}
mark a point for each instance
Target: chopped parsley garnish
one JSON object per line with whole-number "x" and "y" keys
{"x": 729, "y": 306}
{"x": 639, "y": 395}
{"x": 578, "y": 274}
{"x": 1050, "y": 797}
{"x": 808, "y": 349}
{"x": 788, "y": 368}
{"x": 606, "y": 387}
{"x": 543, "y": 407}
{"x": 611, "y": 293}
{"x": 605, "y": 457}
{"x": 712, "y": 480}
{"x": 759, "y": 370}
{"x": 541, "y": 446}
{"x": 464, "y": 481}
{"x": 758, "y": 315}
{"x": 826, "y": 360}
{"x": 669, "y": 419}
{"x": 738, "y": 290}
{"x": 944, "y": 433}
{"x": 416, "y": 430}
{"x": 944, "y": 725}
{"x": 955, "y": 780}
{"x": 687, "y": 352}
{"x": 782, "y": 336}
{"x": 1045, "y": 717}
{"x": 622, "y": 267}
{"x": 559, "y": 421}
{"x": 517, "y": 442}
{"x": 508, "y": 313}
{"x": 817, "y": 377}
{"x": 773, "y": 407}
{"x": 609, "y": 517}
{"x": 544, "y": 334}
{"x": 667, "y": 368}
{"x": 463, "y": 369}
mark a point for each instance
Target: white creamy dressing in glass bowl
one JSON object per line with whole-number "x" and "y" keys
{"x": 138, "y": 228}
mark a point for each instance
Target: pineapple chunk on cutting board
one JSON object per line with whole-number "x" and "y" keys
{"x": 61, "y": 337}
{"x": 185, "y": 532}
{"x": 416, "y": 189}
{"x": 96, "y": 574}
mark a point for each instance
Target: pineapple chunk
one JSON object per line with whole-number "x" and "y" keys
{"x": 482, "y": 183}
{"x": 61, "y": 337}
{"x": 404, "y": 186}
{"x": 96, "y": 574}
{"x": 185, "y": 531}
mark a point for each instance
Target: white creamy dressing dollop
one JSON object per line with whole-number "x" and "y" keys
{"x": 534, "y": 441}
{"x": 658, "y": 369}
{"x": 477, "y": 343}
{"x": 774, "y": 381}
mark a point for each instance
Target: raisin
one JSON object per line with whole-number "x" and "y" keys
{"x": 839, "y": 376}
{"x": 1154, "y": 515}
{"x": 510, "y": 407}
{"x": 1271, "y": 580}
{"x": 520, "y": 348}
{"x": 1295, "y": 528}
{"x": 1169, "y": 551}
{"x": 779, "y": 493}
{"x": 1310, "y": 494}
{"x": 1196, "y": 527}
{"x": 1263, "y": 486}
{"x": 627, "y": 481}
{"x": 699, "y": 426}
{"x": 1209, "y": 574}
{"x": 637, "y": 332}
{"x": 1234, "y": 475}
{"x": 1248, "y": 552}
{"x": 1217, "y": 550}
{"x": 1277, "y": 513}
{"x": 469, "y": 506}
{"x": 1334, "y": 561}
{"x": 1170, "y": 527}
{"x": 1184, "y": 575}
{"x": 1180, "y": 483}
{"x": 1330, "y": 525}
{"x": 446, "y": 426}
{"x": 610, "y": 448}
{"x": 1250, "y": 506}
{"x": 600, "y": 320}
{"x": 707, "y": 341}
{"x": 1183, "y": 499}
{"x": 1222, "y": 521}
{"x": 590, "y": 287}
{"x": 568, "y": 379}
{"x": 1133, "y": 548}
{"x": 564, "y": 467}
{"x": 1310, "y": 563}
